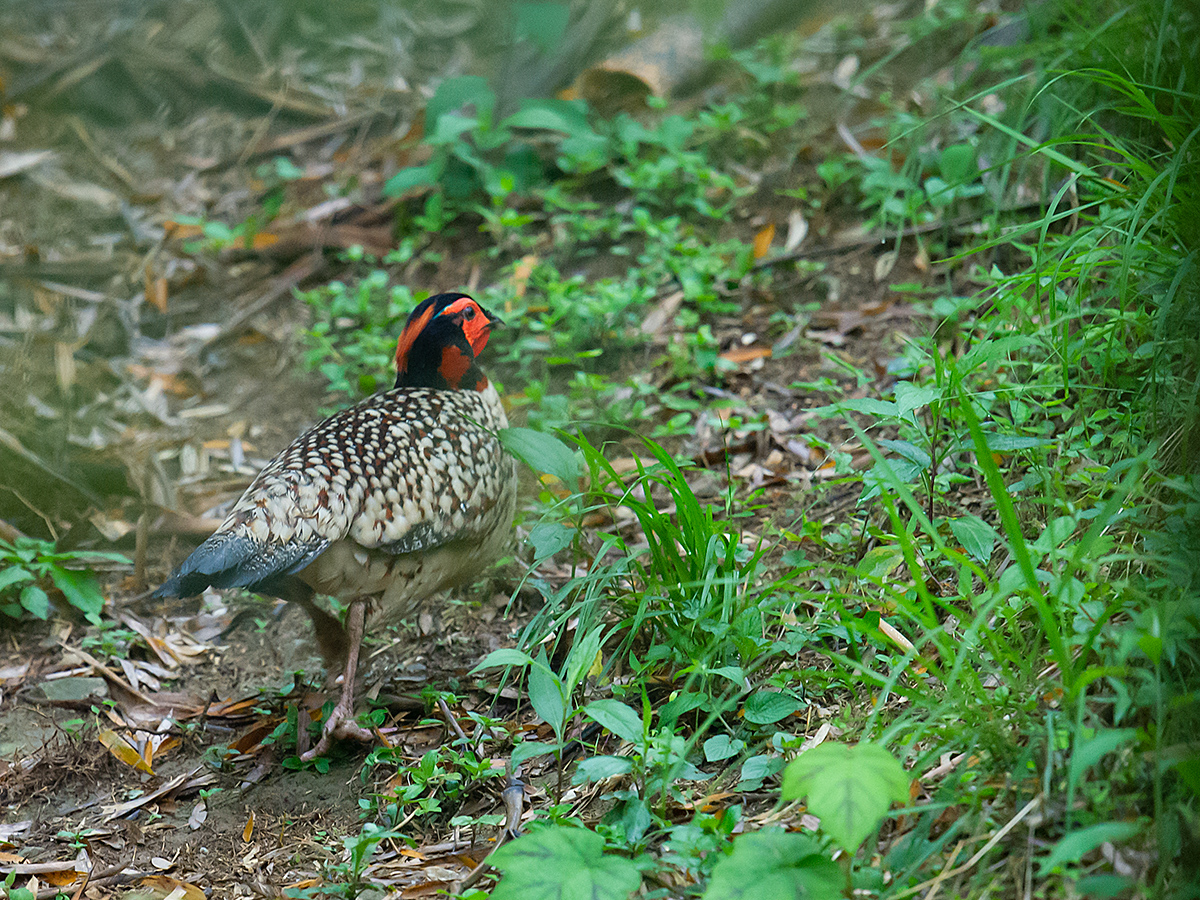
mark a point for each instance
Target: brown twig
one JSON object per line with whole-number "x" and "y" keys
{"x": 514, "y": 801}
{"x": 448, "y": 715}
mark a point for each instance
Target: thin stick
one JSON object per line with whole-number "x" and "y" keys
{"x": 992, "y": 842}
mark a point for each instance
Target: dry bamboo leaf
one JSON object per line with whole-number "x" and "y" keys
{"x": 797, "y": 231}
{"x": 739, "y": 355}
{"x": 762, "y": 241}
{"x": 14, "y": 163}
{"x": 162, "y": 887}
{"x": 123, "y": 750}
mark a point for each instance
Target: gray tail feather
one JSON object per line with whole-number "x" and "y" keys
{"x": 229, "y": 560}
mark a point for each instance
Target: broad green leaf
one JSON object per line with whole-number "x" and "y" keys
{"x": 548, "y": 696}
{"x": 562, "y": 863}
{"x": 549, "y": 538}
{"x": 868, "y": 405}
{"x": 1077, "y": 844}
{"x": 455, "y": 93}
{"x": 583, "y": 656}
{"x": 583, "y": 153}
{"x": 976, "y": 536}
{"x": 13, "y": 575}
{"x": 882, "y": 476}
{"x": 1105, "y": 886}
{"x": 1003, "y": 443}
{"x": 879, "y": 561}
{"x": 412, "y": 176}
{"x": 910, "y": 397}
{"x": 722, "y": 746}
{"x": 35, "y": 601}
{"x": 774, "y": 865}
{"x": 81, "y": 590}
{"x": 506, "y": 656}
{"x": 634, "y": 820}
{"x": 990, "y": 351}
{"x": 597, "y": 768}
{"x": 618, "y": 718}
{"x": 552, "y": 115}
{"x": 676, "y": 131}
{"x": 849, "y": 788}
{"x": 767, "y": 707}
{"x": 449, "y": 129}
{"x": 734, "y": 673}
{"x": 909, "y": 451}
{"x": 681, "y": 704}
{"x": 1087, "y": 753}
{"x": 528, "y": 750}
{"x": 958, "y": 164}
{"x": 756, "y": 768}
{"x": 543, "y": 453}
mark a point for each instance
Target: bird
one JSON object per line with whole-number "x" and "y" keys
{"x": 406, "y": 494}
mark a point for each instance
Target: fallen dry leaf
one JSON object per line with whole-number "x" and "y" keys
{"x": 739, "y": 355}
{"x": 123, "y": 750}
{"x": 797, "y": 231}
{"x": 12, "y": 163}
{"x": 162, "y": 887}
{"x": 155, "y": 289}
{"x": 762, "y": 241}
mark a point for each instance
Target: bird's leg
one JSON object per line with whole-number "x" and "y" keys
{"x": 340, "y": 723}
{"x": 330, "y": 635}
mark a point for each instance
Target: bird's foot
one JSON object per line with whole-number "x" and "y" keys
{"x": 339, "y": 726}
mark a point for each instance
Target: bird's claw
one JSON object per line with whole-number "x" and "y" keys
{"x": 339, "y": 726}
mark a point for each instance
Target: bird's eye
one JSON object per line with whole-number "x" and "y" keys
{"x": 469, "y": 313}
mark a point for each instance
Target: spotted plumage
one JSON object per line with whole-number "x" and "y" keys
{"x": 400, "y": 497}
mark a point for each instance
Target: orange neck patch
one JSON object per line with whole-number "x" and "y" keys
{"x": 407, "y": 337}
{"x": 455, "y": 365}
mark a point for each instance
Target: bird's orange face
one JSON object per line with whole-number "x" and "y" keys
{"x": 471, "y": 318}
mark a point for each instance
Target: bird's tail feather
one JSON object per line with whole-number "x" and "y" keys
{"x": 229, "y": 559}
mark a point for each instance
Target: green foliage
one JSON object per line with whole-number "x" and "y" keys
{"x": 217, "y": 235}
{"x": 473, "y": 154}
{"x": 433, "y": 789}
{"x": 109, "y": 640}
{"x": 927, "y": 186}
{"x": 1058, "y": 409}
{"x": 543, "y": 453}
{"x": 562, "y": 863}
{"x": 345, "y": 878}
{"x": 773, "y": 865}
{"x": 692, "y": 582}
{"x": 849, "y": 788}
{"x": 551, "y": 693}
{"x": 31, "y": 568}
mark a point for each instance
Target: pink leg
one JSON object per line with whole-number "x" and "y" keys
{"x": 340, "y": 723}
